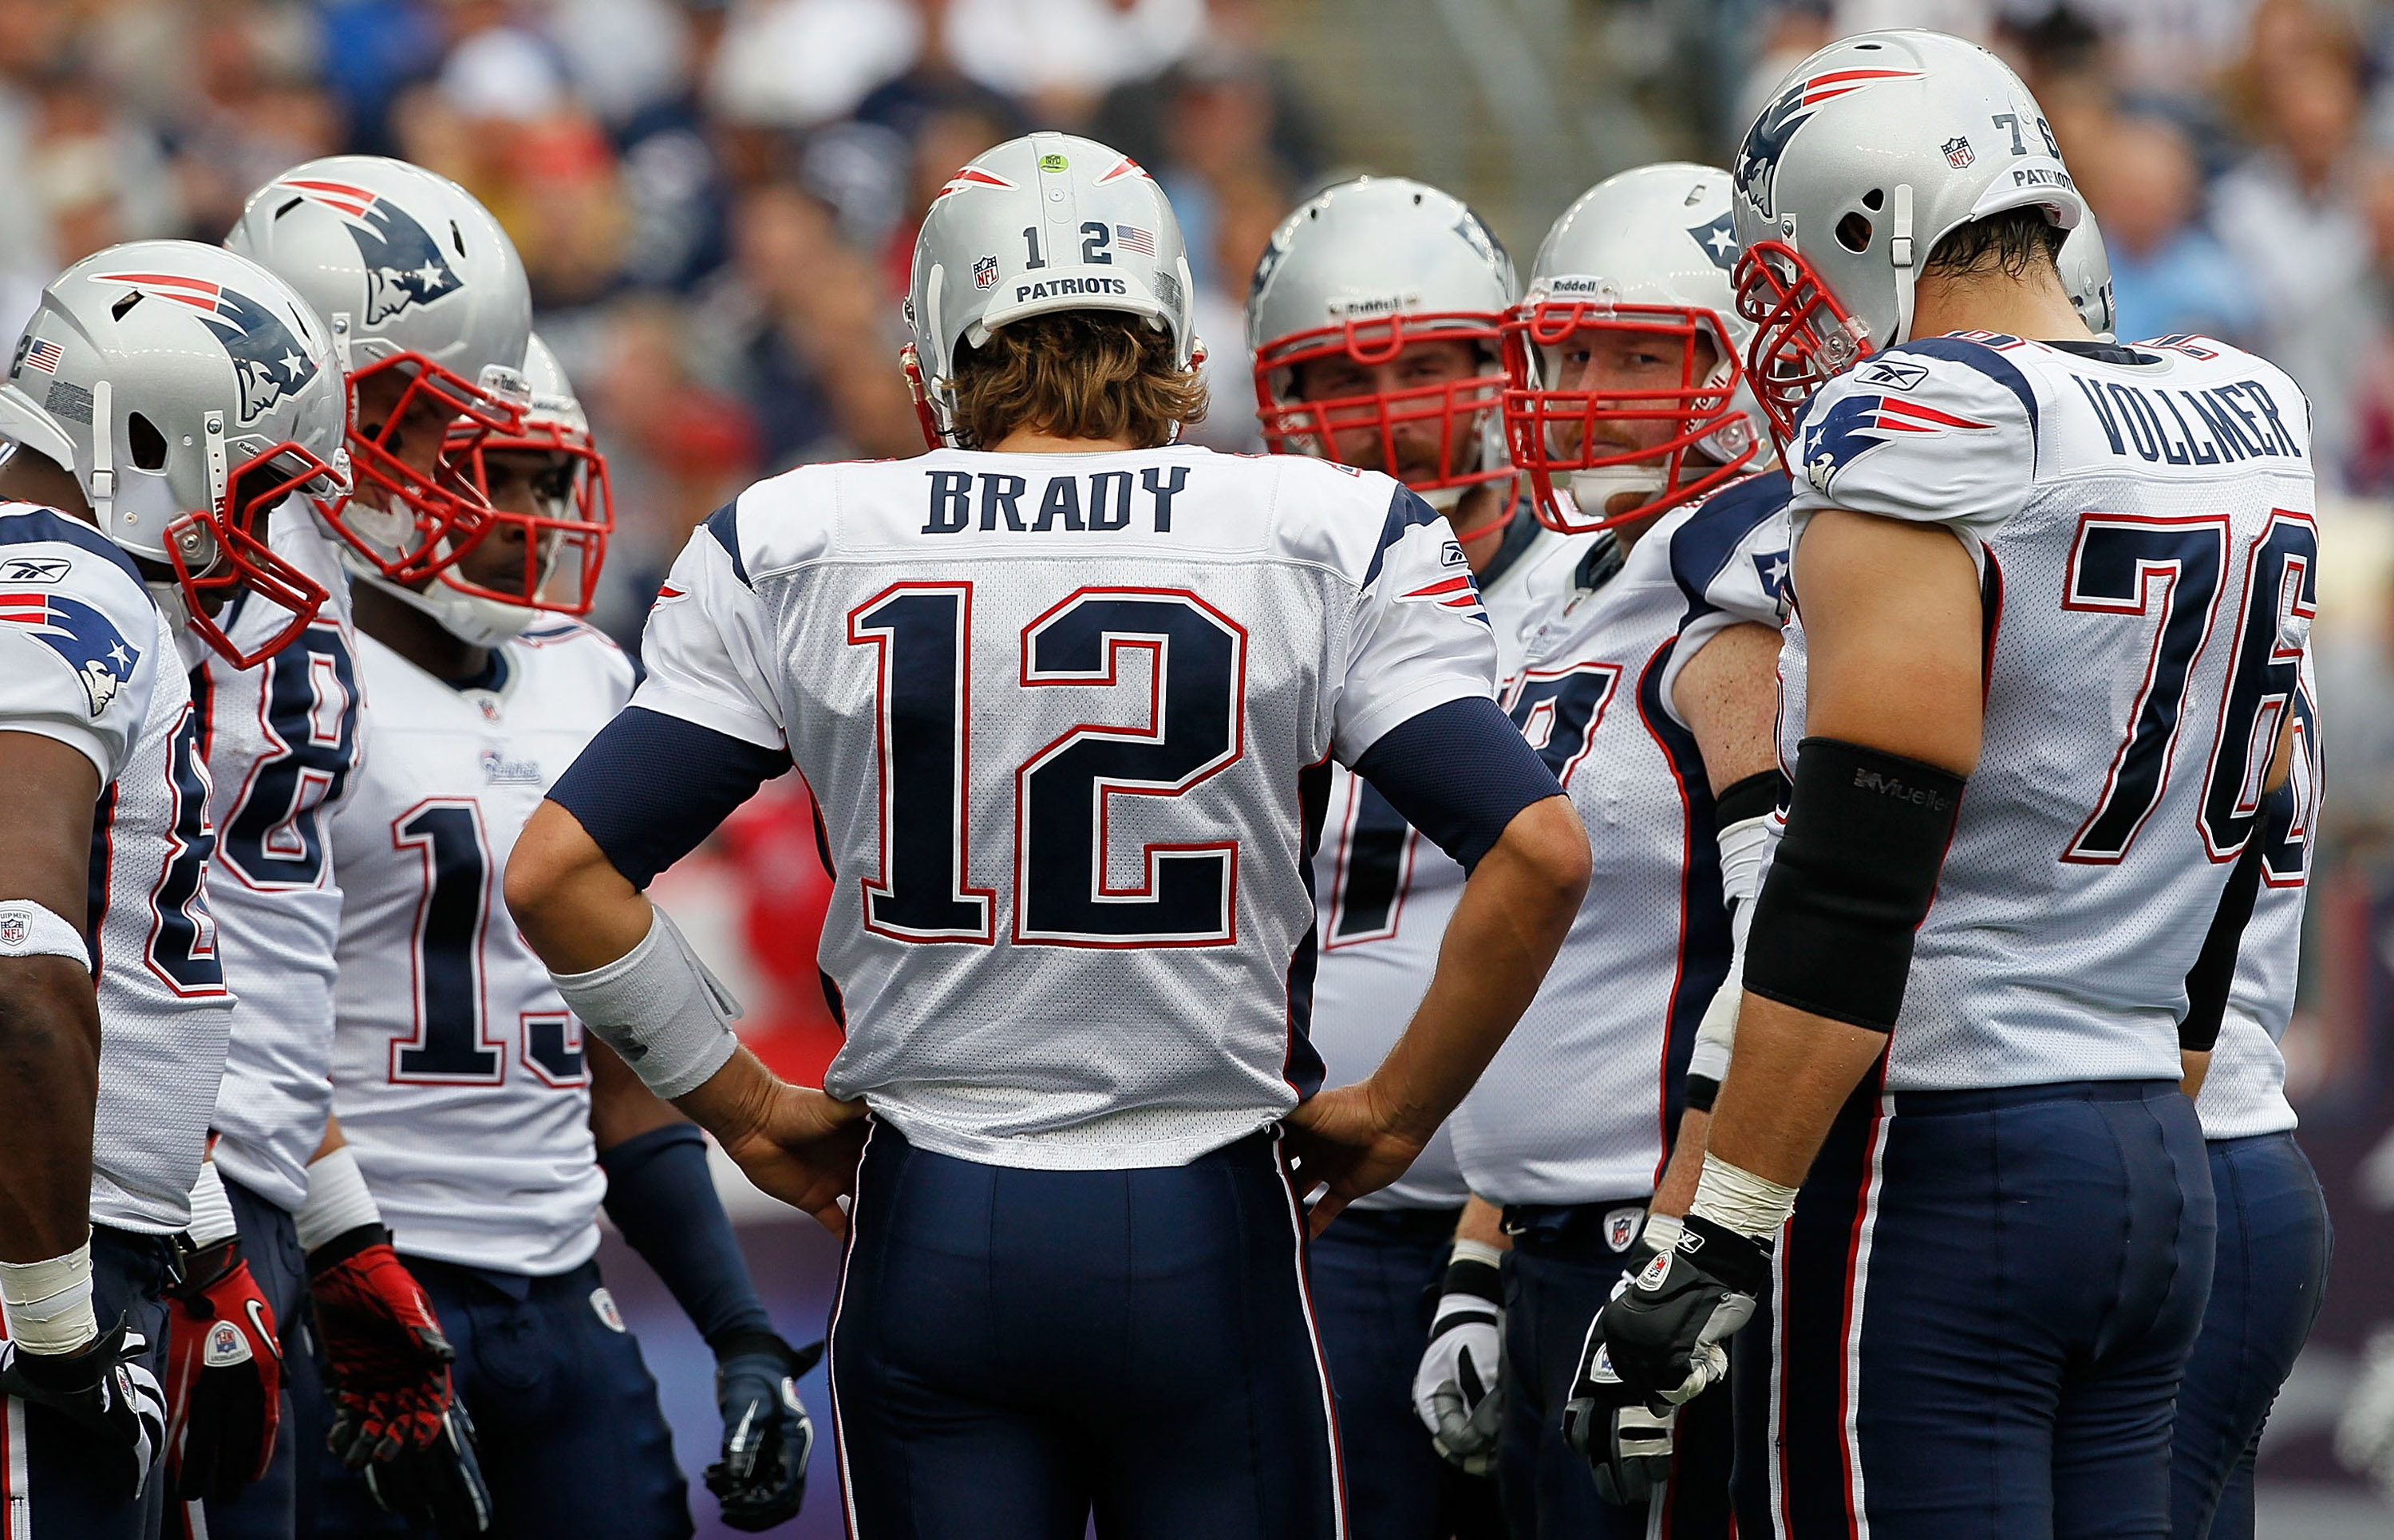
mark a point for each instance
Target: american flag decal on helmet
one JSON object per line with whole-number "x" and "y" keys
{"x": 1131, "y": 238}
{"x": 43, "y": 354}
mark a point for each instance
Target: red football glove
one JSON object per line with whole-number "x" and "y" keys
{"x": 390, "y": 1361}
{"x": 224, "y": 1377}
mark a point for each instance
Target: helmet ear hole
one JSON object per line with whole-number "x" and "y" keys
{"x": 1854, "y": 233}
{"x": 148, "y": 444}
{"x": 1874, "y": 198}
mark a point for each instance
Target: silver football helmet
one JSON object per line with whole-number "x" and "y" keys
{"x": 1358, "y": 272}
{"x": 2086, "y": 278}
{"x": 190, "y": 392}
{"x": 1648, "y": 252}
{"x": 546, "y": 485}
{"x": 1873, "y": 150}
{"x": 413, "y": 275}
{"x": 1046, "y": 223}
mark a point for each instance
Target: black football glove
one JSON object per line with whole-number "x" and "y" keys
{"x": 437, "y": 1486}
{"x": 761, "y": 1480}
{"x": 106, "y": 1392}
{"x": 1663, "y": 1327}
{"x": 1625, "y": 1442}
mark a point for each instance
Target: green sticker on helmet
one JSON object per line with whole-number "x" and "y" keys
{"x": 1053, "y": 163}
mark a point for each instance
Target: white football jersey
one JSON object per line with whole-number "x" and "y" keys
{"x": 282, "y": 747}
{"x": 85, "y": 658}
{"x": 1383, "y": 893}
{"x": 2245, "y": 1092}
{"x": 1575, "y": 1106}
{"x": 1069, "y": 720}
{"x": 457, "y": 1072}
{"x": 2142, "y": 523}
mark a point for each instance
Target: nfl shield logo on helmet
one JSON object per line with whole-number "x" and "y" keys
{"x": 1957, "y": 152}
{"x": 1621, "y": 1226}
{"x": 985, "y": 274}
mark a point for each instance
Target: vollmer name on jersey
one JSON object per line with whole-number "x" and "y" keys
{"x": 2216, "y": 407}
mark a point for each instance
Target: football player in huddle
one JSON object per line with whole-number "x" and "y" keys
{"x": 1375, "y": 317}
{"x": 1075, "y": 945}
{"x": 1649, "y": 692}
{"x": 483, "y": 1128}
{"x": 169, "y": 409}
{"x": 1998, "y": 520}
{"x": 435, "y": 344}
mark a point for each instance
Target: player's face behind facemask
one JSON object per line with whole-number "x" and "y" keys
{"x": 1409, "y": 412}
{"x": 1629, "y": 407}
{"x": 411, "y": 491}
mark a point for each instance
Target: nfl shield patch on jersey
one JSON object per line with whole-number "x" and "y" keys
{"x": 1621, "y": 1226}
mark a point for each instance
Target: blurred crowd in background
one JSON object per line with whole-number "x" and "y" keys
{"x": 718, "y": 201}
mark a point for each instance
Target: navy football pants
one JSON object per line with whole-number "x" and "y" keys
{"x": 282, "y": 1502}
{"x": 564, "y": 1410}
{"x": 44, "y": 1491}
{"x": 1015, "y": 1351}
{"x": 1985, "y": 1300}
{"x": 1376, "y": 1276}
{"x": 1558, "y": 1276}
{"x": 2274, "y": 1243}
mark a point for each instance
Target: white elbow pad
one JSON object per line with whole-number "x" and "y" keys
{"x": 660, "y": 1008}
{"x": 1743, "y": 847}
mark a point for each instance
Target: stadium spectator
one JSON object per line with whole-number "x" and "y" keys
{"x": 2169, "y": 272}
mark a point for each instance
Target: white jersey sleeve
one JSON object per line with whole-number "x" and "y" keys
{"x": 1729, "y": 561}
{"x": 1940, "y": 431}
{"x": 77, "y": 658}
{"x": 1420, "y": 636}
{"x": 705, "y": 642}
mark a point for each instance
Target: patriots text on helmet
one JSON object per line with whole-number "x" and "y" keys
{"x": 1056, "y": 287}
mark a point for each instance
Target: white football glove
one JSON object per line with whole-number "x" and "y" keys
{"x": 1459, "y": 1389}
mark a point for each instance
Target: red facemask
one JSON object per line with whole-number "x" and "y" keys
{"x": 243, "y": 565}
{"x": 1802, "y": 337}
{"x": 1453, "y": 411}
{"x": 549, "y": 539}
{"x": 443, "y": 514}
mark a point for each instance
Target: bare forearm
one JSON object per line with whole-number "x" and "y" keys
{"x": 575, "y": 909}
{"x": 621, "y": 1106}
{"x": 49, "y": 1084}
{"x": 1789, "y": 1074}
{"x": 1506, "y": 929}
{"x": 1679, "y": 1185}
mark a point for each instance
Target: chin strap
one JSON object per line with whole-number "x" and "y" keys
{"x": 449, "y": 610}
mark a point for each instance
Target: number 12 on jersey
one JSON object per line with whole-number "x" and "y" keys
{"x": 1064, "y": 794}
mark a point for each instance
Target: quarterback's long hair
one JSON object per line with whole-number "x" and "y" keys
{"x": 1076, "y": 375}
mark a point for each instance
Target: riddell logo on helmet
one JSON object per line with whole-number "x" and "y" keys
{"x": 404, "y": 264}
{"x": 1357, "y": 307}
{"x": 266, "y": 358}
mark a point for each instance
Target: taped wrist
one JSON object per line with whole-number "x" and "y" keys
{"x": 658, "y": 1008}
{"x": 1736, "y": 1199}
{"x": 212, "y": 1221}
{"x": 1867, "y": 837}
{"x": 48, "y": 1303}
{"x": 1662, "y": 1231}
{"x": 338, "y": 1200}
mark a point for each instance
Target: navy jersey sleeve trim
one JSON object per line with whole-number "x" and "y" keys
{"x": 1405, "y": 511}
{"x": 1520, "y": 535}
{"x": 1702, "y": 546}
{"x": 1458, "y": 772}
{"x": 30, "y": 524}
{"x": 724, "y": 524}
{"x": 1987, "y": 361}
{"x": 644, "y": 816}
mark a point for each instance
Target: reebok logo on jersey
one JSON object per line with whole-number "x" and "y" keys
{"x": 1901, "y": 791}
{"x": 87, "y": 641}
{"x": 1895, "y": 373}
{"x": 35, "y": 568}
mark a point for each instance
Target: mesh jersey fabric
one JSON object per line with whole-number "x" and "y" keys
{"x": 457, "y": 1069}
{"x": 1067, "y": 719}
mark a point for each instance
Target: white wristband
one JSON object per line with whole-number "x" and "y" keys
{"x": 212, "y": 1221}
{"x": 48, "y": 1304}
{"x": 338, "y": 1200}
{"x": 659, "y": 1008}
{"x": 28, "y": 929}
{"x": 1663, "y": 1230}
{"x": 1754, "y": 1206}
{"x": 1476, "y": 1251}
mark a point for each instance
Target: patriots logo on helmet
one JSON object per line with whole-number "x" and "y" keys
{"x": 404, "y": 263}
{"x": 972, "y": 176}
{"x": 1757, "y": 158}
{"x": 1718, "y": 241}
{"x": 86, "y": 639}
{"x": 1857, "y": 424}
{"x": 267, "y": 358}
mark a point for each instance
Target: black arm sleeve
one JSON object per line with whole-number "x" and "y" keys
{"x": 1458, "y": 772}
{"x": 2213, "y": 973}
{"x": 651, "y": 786}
